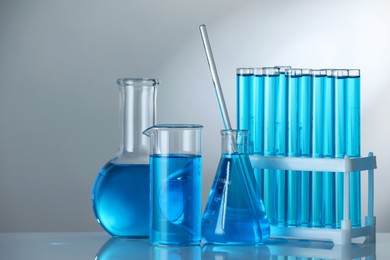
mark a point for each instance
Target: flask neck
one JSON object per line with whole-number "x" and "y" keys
{"x": 234, "y": 141}
{"x": 137, "y": 112}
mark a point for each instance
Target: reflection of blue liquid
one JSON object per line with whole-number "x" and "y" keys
{"x": 226, "y": 252}
{"x": 176, "y": 253}
{"x": 120, "y": 199}
{"x": 123, "y": 249}
{"x": 234, "y": 213}
{"x": 176, "y": 199}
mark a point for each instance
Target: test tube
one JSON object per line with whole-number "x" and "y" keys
{"x": 304, "y": 144}
{"x": 340, "y": 88}
{"x": 256, "y": 129}
{"x": 271, "y": 77}
{"x": 352, "y": 138}
{"x": 280, "y": 142}
{"x": 293, "y": 177}
{"x": 244, "y": 88}
{"x": 328, "y": 178}
{"x": 318, "y": 81}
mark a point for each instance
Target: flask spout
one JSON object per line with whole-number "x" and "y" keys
{"x": 148, "y": 131}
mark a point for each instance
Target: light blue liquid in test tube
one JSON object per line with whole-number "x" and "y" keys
{"x": 304, "y": 144}
{"x": 352, "y": 138}
{"x": 340, "y": 88}
{"x": 244, "y": 88}
{"x": 271, "y": 78}
{"x": 256, "y": 130}
{"x": 318, "y": 81}
{"x": 293, "y": 177}
{"x": 328, "y": 178}
{"x": 280, "y": 143}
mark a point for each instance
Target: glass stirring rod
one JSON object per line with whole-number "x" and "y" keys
{"x": 214, "y": 76}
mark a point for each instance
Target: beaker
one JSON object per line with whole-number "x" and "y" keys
{"x": 176, "y": 184}
{"x": 120, "y": 194}
{"x": 235, "y": 213}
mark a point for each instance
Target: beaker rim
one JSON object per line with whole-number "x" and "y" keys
{"x": 172, "y": 126}
{"x": 138, "y": 82}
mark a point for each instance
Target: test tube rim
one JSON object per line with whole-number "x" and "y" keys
{"x": 353, "y": 72}
{"x": 270, "y": 71}
{"x": 318, "y": 72}
{"x": 340, "y": 73}
{"x": 282, "y": 69}
{"x": 306, "y": 72}
{"x": 244, "y": 71}
{"x": 295, "y": 72}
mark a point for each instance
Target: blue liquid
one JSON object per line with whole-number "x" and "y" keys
{"x": 328, "y": 178}
{"x": 304, "y": 147}
{"x": 176, "y": 204}
{"x": 281, "y": 146}
{"x": 293, "y": 177}
{"x": 256, "y": 128}
{"x": 269, "y": 196}
{"x": 340, "y": 85}
{"x": 352, "y": 131}
{"x": 234, "y": 212}
{"x": 120, "y": 199}
{"x": 318, "y": 126}
{"x": 244, "y": 87}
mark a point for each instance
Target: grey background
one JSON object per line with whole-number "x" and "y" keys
{"x": 59, "y": 103}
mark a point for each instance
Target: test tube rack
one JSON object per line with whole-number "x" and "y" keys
{"x": 346, "y": 233}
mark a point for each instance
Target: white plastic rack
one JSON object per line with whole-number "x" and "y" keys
{"x": 346, "y": 233}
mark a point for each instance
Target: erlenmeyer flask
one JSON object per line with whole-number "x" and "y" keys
{"x": 120, "y": 195}
{"x": 234, "y": 212}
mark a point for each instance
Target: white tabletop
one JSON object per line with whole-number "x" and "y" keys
{"x": 102, "y": 246}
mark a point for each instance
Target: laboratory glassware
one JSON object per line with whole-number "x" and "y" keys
{"x": 175, "y": 184}
{"x": 271, "y": 78}
{"x": 120, "y": 194}
{"x": 340, "y": 93}
{"x": 234, "y": 213}
{"x": 256, "y": 127}
{"x": 280, "y": 142}
{"x": 244, "y": 89}
{"x": 352, "y": 138}
{"x": 318, "y": 83}
{"x": 235, "y": 148}
{"x": 304, "y": 144}
{"x": 328, "y": 178}
{"x": 293, "y": 177}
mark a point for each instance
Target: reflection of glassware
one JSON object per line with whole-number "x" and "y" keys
{"x": 234, "y": 212}
{"x": 176, "y": 253}
{"x": 120, "y": 195}
{"x": 306, "y": 249}
{"x": 123, "y": 249}
{"x": 176, "y": 184}
{"x": 226, "y": 252}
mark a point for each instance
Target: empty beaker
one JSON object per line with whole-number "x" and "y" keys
{"x": 234, "y": 212}
{"x": 120, "y": 194}
{"x": 176, "y": 184}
